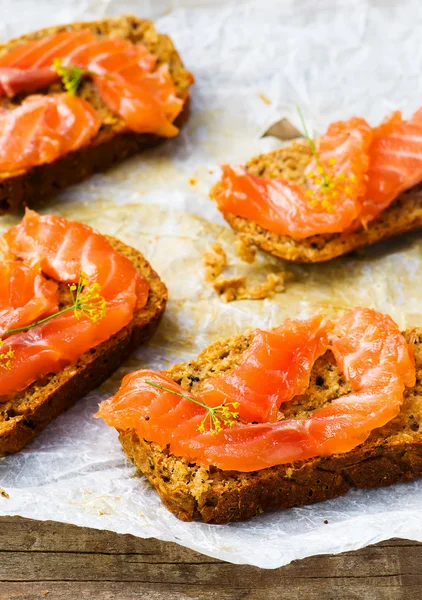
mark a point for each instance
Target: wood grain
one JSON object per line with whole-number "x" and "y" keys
{"x": 72, "y": 563}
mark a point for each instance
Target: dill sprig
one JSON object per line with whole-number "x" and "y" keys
{"x": 70, "y": 75}
{"x": 6, "y": 357}
{"x": 86, "y": 300}
{"x": 328, "y": 184}
{"x": 216, "y": 417}
{"x": 312, "y": 146}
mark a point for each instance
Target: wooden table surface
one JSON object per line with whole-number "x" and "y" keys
{"x": 52, "y": 561}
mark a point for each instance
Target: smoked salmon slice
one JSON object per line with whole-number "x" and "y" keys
{"x": 145, "y": 100}
{"x": 64, "y": 250}
{"x": 40, "y": 53}
{"x": 280, "y": 205}
{"x": 368, "y": 347}
{"x": 343, "y": 149}
{"x": 287, "y": 208}
{"x": 358, "y": 173}
{"x": 272, "y": 354}
{"x": 128, "y": 81}
{"x": 113, "y": 55}
{"x": 25, "y": 295}
{"x": 147, "y": 104}
{"x": 43, "y": 128}
{"x": 15, "y": 81}
{"x": 395, "y": 162}
{"x": 28, "y": 67}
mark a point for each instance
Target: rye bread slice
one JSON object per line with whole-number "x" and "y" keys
{"x": 25, "y": 415}
{"x": 391, "y": 454}
{"x": 404, "y": 214}
{"x": 114, "y": 141}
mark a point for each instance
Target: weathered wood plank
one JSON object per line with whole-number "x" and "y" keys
{"x": 73, "y": 566}
{"x": 75, "y": 563}
{"x": 46, "y": 536}
{"x": 319, "y": 590}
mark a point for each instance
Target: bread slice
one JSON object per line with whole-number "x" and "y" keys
{"x": 114, "y": 142}
{"x": 392, "y": 453}
{"x": 25, "y": 415}
{"x": 404, "y": 214}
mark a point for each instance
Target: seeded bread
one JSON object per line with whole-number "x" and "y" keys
{"x": 392, "y": 453}
{"x": 25, "y": 415}
{"x": 114, "y": 142}
{"x": 404, "y": 214}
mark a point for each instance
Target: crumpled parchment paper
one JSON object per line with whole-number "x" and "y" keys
{"x": 336, "y": 59}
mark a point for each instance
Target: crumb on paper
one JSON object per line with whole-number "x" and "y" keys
{"x": 264, "y": 98}
{"x": 325, "y": 522}
{"x": 273, "y": 283}
{"x": 234, "y": 288}
{"x": 229, "y": 288}
{"x": 193, "y": 181}
{"x": 244, "y": 249}
{"x": 215, "y": 262}
{"x": 3, "y": 493}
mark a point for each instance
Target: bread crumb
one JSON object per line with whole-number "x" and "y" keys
{"x": 234, "y": 288}
{"x": 230, "y": 288}
{"x": 3, "y": 493}
{"x": 264, "y": 98}
{"x": 45, "y": 593}
{"x": 244, "y": 249}
{"x": 289, "y": 472}
{"x": 193, "y": 181}
{"x": 215, "y": 262}
{"x": 274, "y": 283}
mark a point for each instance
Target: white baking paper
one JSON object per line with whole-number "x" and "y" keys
{"x": 334, "y": 58}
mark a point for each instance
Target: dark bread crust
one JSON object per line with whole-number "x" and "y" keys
{"x": 23, "y": 417}
{"x": 403, "y": 215}
{"x": 391, "y": 454}
{"x": 114, "y": 142}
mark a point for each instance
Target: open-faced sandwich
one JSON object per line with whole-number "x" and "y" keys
{"x": 79, "y": 98}
{"x": 73, "y": 304}
{"x": 278, "y": 418}
{"x": 310, "y": 202}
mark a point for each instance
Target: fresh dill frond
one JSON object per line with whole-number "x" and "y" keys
{"x": 216, "y": 417}
{"x": 87, "y": 301}
{"x": 328, "y": 186}
{"x": 6, "y": 357}
{"x": 70, "y": 75}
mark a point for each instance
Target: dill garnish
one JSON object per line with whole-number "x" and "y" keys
{"x": 86, "y": 300}
{"x": 327, "y": 185}
{"x": 216, "y": 417}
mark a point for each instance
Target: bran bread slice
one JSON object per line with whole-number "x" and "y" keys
{"x": 114, "y": 141}
{"x": 404, "y": 214}
{"x": 26, "y": 414}
{"x": 391, "y": 454}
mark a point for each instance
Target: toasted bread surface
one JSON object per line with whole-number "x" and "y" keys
{"x": 25, "y": 415}
{"x": 391, "y": 453}
{"x": 404, "y": 214}
{"x": 114, "y": 142}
